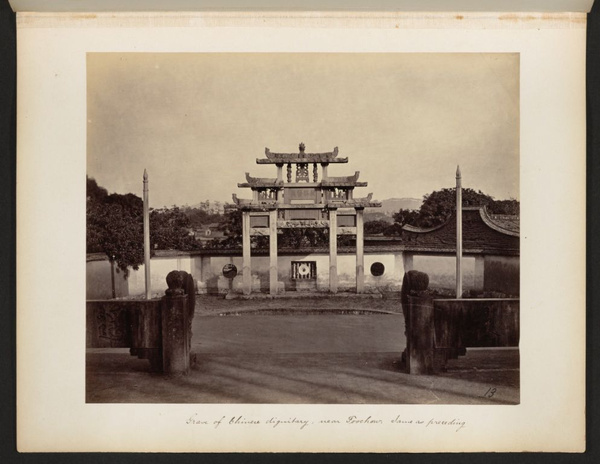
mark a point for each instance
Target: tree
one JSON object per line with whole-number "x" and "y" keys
{"x": 94, "y": 192}
{"x": 510, "y": 207}
{"x": 303, "y": 238}
{"x": 115, "y": 227}
{"x": 393, "y": 230}
{"x": 199, "y": 217}
{"x": 376, "y": 227}
{"x": 232, "y": 227}
{"x": 170, "y": 230}
{"x": 439, "y": 205}
{"x": 405, "y": 216}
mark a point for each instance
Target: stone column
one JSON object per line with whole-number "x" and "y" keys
{"x": 148, "y": 275}
{"x": 459, "y": 279}
{"x": 279, "y": 172}
{"x": 246, "y": 267}
{"x": 324, "y": 165}
{"x": 333, "y": 277}
{"x": 360, "y": 251}
{"x": 273, "y": 279}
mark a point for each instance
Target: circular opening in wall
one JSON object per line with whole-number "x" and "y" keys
{"x": 229, "y": 271}
{"x": 377, "y": 269}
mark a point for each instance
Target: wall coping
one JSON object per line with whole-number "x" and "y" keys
{"x": 91, "y": 257}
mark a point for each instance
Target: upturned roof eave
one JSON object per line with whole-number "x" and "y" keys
{"x": 298, "y": 160}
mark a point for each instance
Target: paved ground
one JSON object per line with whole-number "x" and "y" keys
{"x": 299, "y": 356}
{"x": 213, "y": 305}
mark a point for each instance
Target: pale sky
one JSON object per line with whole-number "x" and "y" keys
{"x": 197, "y": 122}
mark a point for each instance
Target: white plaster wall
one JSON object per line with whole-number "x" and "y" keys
{"x": 207, "y": 272}
{"x": 346, "y": 268}
{"x": 99, "y": 282}
{"x": 392, "y": 275}
{"x": 442, "y": 270}
{"x": 159, "y": 268}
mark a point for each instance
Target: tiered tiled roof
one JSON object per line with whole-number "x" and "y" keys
{"x": 365, "y": 202}
{"x": 254, "y": 182}
{"x": 344, "y": 181}
{"x": 270, "y": 193}
{"x": 301, "y": 157}
{"x": 251, "y": 204}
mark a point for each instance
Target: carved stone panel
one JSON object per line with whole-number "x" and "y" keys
{"x": 302, "y": 224}
{"x": 111, "y": 324}
{"x": 259, "y": 221}
{"x": 302, "y": 172}
{"x": 259, "y": 232}
{"x": 304, "y": 270}
{"x": 108, "y": 325}
{"x": 346, "y": 230}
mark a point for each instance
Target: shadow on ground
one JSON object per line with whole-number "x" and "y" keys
{"x": 313, "y": 359}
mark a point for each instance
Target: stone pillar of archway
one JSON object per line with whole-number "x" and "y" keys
{"x": 324, "y": 166}
{"x": 360, "y": 254}
{"x": 333, "y": 275}
{"x": 246, "y": 266}
{"x": 273, "y": 279}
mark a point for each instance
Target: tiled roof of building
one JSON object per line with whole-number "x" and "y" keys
{"x": 480, "y": 232}
{"x": 505, "y": 221}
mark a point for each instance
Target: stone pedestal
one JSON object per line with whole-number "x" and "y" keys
{"x": 175, "y": 335}
{"x": 239, "y": 283}
{"x": 224, "y": 285}
{"x": 201, "y": 286}
{"x": 420, "y": 350}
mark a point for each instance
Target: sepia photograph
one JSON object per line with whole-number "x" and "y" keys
{"x": 301, "y": 232}
{"x": 303, "y": 228}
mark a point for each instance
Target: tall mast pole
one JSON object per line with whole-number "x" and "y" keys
{"x": 458, "y": 233}
{"x": 146, "y": 236}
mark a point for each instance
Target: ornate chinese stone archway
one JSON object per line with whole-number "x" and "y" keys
{"x": 302, "y": 203}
